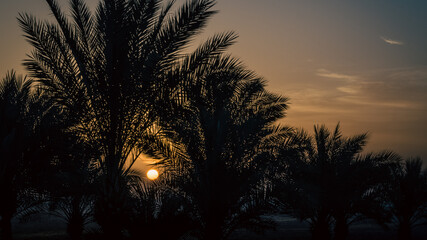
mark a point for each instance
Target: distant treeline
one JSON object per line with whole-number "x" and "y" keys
{"x": 104, "y": 88}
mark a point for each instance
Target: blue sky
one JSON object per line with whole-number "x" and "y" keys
{"x": 361, "y": 63}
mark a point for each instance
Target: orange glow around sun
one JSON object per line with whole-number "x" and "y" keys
{"x": 152, "y": 174}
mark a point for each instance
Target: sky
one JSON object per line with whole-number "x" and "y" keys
{"x": 361, "y": 63}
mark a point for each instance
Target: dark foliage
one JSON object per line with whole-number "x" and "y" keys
{"x": 406, "y": 198}
{"x": 28, "y": 125}
{"x": 105, "y": 70}
{"x": 221, "y": 140}
{"x": 328, "y": 182}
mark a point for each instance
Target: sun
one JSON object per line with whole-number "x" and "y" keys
{"x": 152, "y": 174}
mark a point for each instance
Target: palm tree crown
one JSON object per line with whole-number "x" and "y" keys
{"x": 329, "y": 179}
{"x": 222, "y": 128}
{"x": 25, "y": 116}
{"x": 407, "y": 197}
{"x": 107, "y": 71}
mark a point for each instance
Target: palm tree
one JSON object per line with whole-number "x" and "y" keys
{"x": 156, "y": 208}
{"x": 33, "y": 142}
{"x": 14, "y": 97}
{"x": 303, "y": 188}
{"x": 25, "y": 115}
{"x": 407, "y": 197}
{"x": 221, "y": 140}
{"x": 355, "y": 183}
{"x": 72, "y": 186}
{"x": 328, "y": 180}
{"x": 107, "y": 70}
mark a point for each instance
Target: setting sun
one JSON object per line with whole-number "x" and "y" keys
{"x": 152, "y": 174}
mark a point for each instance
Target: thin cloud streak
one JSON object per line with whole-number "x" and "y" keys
{"x": 389, "y": 91}
{"x": 328, "y": 74}
{"x": 392, "y": 42}
{"x": 355, "y": 100}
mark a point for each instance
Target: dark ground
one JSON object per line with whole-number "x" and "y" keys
{"x": 52, "y": 228}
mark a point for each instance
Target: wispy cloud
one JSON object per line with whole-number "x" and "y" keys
{"x": 392, "y": 88}
{"x": 328, "y": 74}
{"x": 392, "y": 42}
{"x": 349, "y": 89}
{"x": 376, "y": 103}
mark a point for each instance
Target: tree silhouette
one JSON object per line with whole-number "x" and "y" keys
{"x": 26, "y": 113}
{"x": 407, "y": 197}
{"x": 354, "y": 183}
{"x": 106, "y": 70}
{"x": 156, "y": 208}
{"x": 14, "y": 98}
{"x": 72, "y": 186}
{"x": 327, "y": 182}
{"x": 221, "y": 134}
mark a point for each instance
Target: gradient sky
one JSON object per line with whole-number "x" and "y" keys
{"x": 361, "y": 63}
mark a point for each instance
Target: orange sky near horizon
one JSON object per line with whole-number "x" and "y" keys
{"x": 361, "y": 63}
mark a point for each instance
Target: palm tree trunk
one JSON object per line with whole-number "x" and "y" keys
{"x": 106, "y": 217}
{"x": 7, "y": 209}
{"x": 404, "y": 231}
{"x": 76, "y": 222}
{"x": 213, "y": 231}
{"x": 341, "y": 229}
{"x": 6, "y": 227}
{"x": 320, "y": 230}
{"x": 110, "y": 206}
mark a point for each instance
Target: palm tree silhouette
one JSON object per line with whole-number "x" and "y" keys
{"x": 72, "y": 184}
{"x": 14, "y": 98}
{"x": 107, "y": 70}
{"x": 220, "y": 140}
{"x": 23, "y": 142}
{"x": 407, "y": 197}
{"x": 156, "y": 208}
{"x": 354, "y": 184}
{"x": 328, "y": 180}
